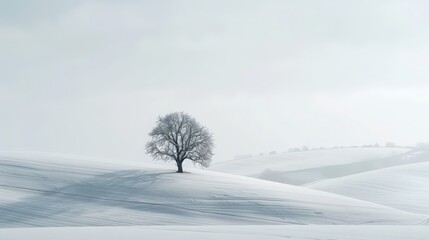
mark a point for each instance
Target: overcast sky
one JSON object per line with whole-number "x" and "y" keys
{"x": 91, "y": 77}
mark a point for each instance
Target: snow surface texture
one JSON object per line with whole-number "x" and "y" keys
{"x": 308, "y": 232}
{"x": 299, "y": 168}
{"x": 55, "y": 191}
{"x": 403, "y": 187}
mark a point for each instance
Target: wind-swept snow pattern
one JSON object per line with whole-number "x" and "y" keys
{"x": 403, "y": 187}
{"x": 299, "y": 168}
{"x": 308, "y": 232}
{"x": 59, "y": 192}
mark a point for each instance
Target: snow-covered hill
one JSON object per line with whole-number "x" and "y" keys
{"x": 53, "y": 191}
{"x": 304, "y": 167}
{"x": 403, "y": 187}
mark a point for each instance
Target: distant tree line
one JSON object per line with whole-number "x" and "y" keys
{"x": 375, "y": 145}
{"x": 418, "y": 146}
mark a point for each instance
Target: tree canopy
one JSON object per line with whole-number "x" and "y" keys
{"x": 178, "y": 136}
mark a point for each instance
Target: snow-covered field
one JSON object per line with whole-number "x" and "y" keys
{"x": 403, "y": 187}
{"x": 308, "y": 166}
{"x": 293, "y": 232}
{"x": 60, "y": 193}
{"x": 57, "y": 192}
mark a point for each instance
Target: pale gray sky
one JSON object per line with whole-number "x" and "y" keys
{"x": 90, "y": 77}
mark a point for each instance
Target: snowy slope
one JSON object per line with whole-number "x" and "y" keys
{"x": 291, "y": 232}
{"x": 62, "y": 192}
{"x": 403, "y": 187}
{"x": 304, "y": 167}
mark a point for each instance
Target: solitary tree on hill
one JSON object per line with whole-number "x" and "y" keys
{"x": 177, "y": 137}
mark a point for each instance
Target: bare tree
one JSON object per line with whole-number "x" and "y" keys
{"x": 177, "y": 136}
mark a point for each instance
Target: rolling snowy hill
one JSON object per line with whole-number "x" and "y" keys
{"x": 58, "y": 191}
{"x": 299, "y": 168}
{"x": 403, "y": 187}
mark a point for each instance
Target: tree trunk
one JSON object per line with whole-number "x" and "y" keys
{"x": 179, "y": 166}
